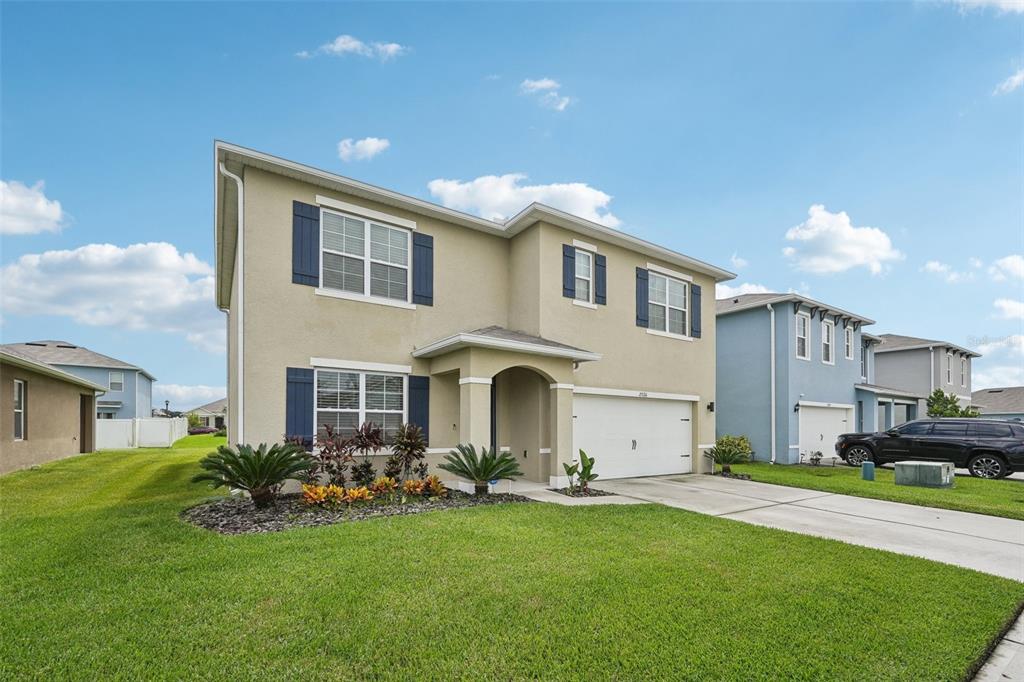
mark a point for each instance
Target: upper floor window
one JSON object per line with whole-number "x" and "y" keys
{"x": 667, "y": 304}
{"x": 363, "y": 257}
{"x": 345, "y": 400}
{"x": 949, "y": 368}
{"x": 963, "y": 372}
{"x": 803, "y": 329}
{"x": 864, "y": 362}
{"x": 848, "y": 338}
{"x": 115, "y": 381}
{"x": 828, "y": 333}
{"x": 19, "y": 409}
{"x": 584, "y": 276}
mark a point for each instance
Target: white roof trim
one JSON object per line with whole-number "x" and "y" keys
{"x": 458, "y": 341}
{"x": 49, "y": 370}
{"x": 920, "y": 346}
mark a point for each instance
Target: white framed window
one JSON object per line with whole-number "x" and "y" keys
{"x": 963, "y": 372}
{"x": 667, "y": 304}
{"x": 864, "y": 362}
{"x": 848, "y": 338}
{"x": 828, "y": 336}
{"x": 115, "y": 381}
{"x": 584, "y": 276}
{"x": 949, "y": 368}
{"x": 347, "y": 399}
{"x": 20, "y": 403}
{"x": 364, "y": 257}
{"x": 803, "y": 332}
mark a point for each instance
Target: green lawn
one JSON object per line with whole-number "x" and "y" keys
{"x": 996, "y": 498}
{"x": 100, "y": 579}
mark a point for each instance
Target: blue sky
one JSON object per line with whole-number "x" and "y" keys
{"x": 768, "y": 138}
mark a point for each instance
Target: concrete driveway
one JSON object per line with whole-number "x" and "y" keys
{"x": 985, "y": 543}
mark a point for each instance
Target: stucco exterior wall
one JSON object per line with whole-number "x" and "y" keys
{"x": 479, "y": 280}
{"x": 137, "y": 388}
{"x": 743, "y": 404}
{"x": 907, "y": 370}
{"x": 53, "y": 426}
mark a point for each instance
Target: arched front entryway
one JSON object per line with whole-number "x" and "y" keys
{"x": 521, "y": 419}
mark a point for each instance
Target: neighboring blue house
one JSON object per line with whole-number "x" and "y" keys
{"x": 129, "y": 388}
{"x": 794, "y": 392}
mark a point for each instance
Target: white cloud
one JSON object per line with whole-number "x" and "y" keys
{"x": 547, "y": 92}
{"x": 996, "y": 376}
{"x": 1009, "y": 309}
{"x": 975, "y": 263}
{"x": 497, "y": 197}
{"x": 26, "y": 210}
{"x": 1010, "y": 84}
{"x": 1013, "y": 344}
{"x": 738, "y": 262}
{"x": 346, "y": 45}
{"x": 946, "y": 272}
{"x": 1003, "y": 6}
{"x": 728, "y": 291}
{"x": 1008, "y": 267}
{"x": 149, "y": 287}
{"x": 359, "y": 150}
{"x": 827, "y": 243}
{"x": 186, "y": 397}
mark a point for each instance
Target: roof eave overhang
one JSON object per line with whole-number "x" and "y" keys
{"x": 49, "y": 370}
{"x": 236, "y": 158}
{"x": 460, "y": 341}
{"x": 802, "y": 300}
{"x": 925, "y": 346}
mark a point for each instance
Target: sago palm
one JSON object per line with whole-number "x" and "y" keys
{"x": 490, "y": 465}
{"x": 258, "y": 471}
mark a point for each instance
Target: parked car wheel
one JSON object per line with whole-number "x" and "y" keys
{"x": 857, "y": 455}
{"x": 987, "y": 466}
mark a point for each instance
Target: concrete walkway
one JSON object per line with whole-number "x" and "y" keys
{"x": 985, "y": 543}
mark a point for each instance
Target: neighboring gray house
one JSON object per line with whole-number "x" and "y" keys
{"x": 129, "y": 389}
{"x": 214, "y": 415}
{"x": 793, "y": 373}
{"x": 922, "y": 365}
{"x": 1000, "y": 403}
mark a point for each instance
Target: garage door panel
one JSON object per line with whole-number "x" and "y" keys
{"x": 633, "y": 436}
{"x": 821, "y": 426}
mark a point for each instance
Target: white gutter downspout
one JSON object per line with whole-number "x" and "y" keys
{"x": 240, "y": 265}
{"x": 771, "y": 312}
{"x": 931, "y": 374}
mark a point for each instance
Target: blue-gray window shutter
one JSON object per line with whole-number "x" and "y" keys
{"x": 419, "y": 403}
{"x": 695, "y": 311}
{"x": 641, "y": 297}
{"x": 600, "y": 279}
{"x": 422, "y": 269}
{"x": 568, "y": 271}
{"x": 305, "y": 244}
{"x": 299, "y": 405}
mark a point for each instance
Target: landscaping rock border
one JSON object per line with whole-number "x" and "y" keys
{"x": 234, "y": 516}
{"x": 592, "y": 492}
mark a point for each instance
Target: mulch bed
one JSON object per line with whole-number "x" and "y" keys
{"x": 237, "y": 515}
{"x": 738, "y": 477}
{"x": 592, "y": 492}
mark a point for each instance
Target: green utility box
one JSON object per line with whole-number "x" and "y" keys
{"x": 925, "y": 474}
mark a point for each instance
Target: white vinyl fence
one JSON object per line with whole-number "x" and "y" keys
{"x": 153, "y": 432}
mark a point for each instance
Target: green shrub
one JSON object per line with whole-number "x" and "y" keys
{"x": 729, "y": 450}
{"x": 221, "y": 433}
{"x": 490, "y": 465}
{"x": 258, "y": 471}
{"x": 580, "y": 473}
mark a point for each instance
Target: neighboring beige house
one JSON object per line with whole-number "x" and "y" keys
{"x": 213, "y": 415}
{"x": 47, "y": 413}
{"x": 539, "y": 335}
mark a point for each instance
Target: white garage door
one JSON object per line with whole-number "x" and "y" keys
{"x": 633, "y": 436}
{"x": 820, "y": 427}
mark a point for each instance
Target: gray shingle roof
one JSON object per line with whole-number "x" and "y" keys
{"x": 891, "y": 342}
{"x": 65, "y": 353}
{"x": 724, "y": 306}
{"x": 496, "y": 332}
{"x": 999, "y": 400}
{"x": 17, "y": 358}
{"x": 216, "y": 407}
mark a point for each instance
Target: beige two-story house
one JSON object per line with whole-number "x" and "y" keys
{"x": 539, "y": 335}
